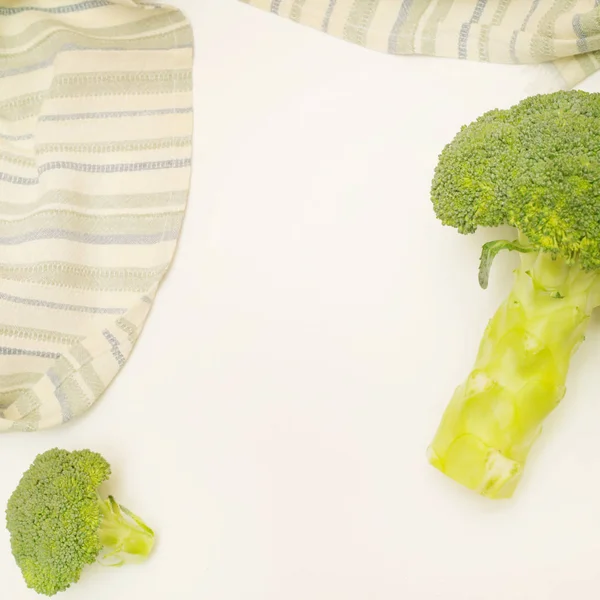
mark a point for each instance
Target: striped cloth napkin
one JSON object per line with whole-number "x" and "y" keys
{"x": 565, "y": 33}
{"x": 95, "y": 151}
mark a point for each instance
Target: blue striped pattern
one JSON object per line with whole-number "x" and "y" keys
{"x": 117, "y": 114}
{"x": 95, "y": 165}
{"x": 397, "y": 27}
{"x": 502, "y": 31}
{"x": 62, "y": 306}
{"x": 57, "y": 10}
{"x": 23, "y": 352}
{"x": 465, "y": 30}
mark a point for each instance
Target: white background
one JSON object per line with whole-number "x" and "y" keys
{"x": 273, "y": 420}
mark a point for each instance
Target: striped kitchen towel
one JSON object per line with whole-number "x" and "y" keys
{"x": 95, "y": 152}
{"x": 565, "y": 33}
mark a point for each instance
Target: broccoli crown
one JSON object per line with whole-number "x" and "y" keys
{"x": 534, "y": 166}
{"x": 53, "y": 518}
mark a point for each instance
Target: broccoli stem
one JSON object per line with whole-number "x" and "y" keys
{"x": 519, "y": 376}
{"x": 124, "y": 536}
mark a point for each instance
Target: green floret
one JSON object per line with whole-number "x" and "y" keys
{"x": 58, "y": 523}
{"x": 534, "y": 167}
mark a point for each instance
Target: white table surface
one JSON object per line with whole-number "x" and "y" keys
{"x": 273, "y": 420}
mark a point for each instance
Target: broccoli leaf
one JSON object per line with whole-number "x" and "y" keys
{"x": 488, "y": 253}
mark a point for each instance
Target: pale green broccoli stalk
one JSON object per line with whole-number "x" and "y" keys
{"x": 535, "y": 167}
{"x": 58, "y": 523}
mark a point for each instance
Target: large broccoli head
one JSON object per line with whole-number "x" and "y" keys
{"x": 59, "y": 524}
{"x": 534, "y": 166}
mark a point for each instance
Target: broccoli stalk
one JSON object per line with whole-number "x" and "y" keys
{"x": 518, "y": 378}
{"x": 125, "y": 537}
{"x": 534, "y": 167}
{"x": 58, "y": 523}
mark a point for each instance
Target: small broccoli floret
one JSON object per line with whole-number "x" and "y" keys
{"x": 58, "y": 523}
{"x": 535, "y": 167}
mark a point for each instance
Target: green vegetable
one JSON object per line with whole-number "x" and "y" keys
{"x": 58, "y": 522}
{"x": 534, "y": 167}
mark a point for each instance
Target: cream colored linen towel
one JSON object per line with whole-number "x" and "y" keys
{"x": 565, "y": 33}
{"x": 95, "y": 152}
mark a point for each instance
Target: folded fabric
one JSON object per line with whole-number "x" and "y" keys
{"x": 563, "y": 32}
{"x": 95, "y": 152}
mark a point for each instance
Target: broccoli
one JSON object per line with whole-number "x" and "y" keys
{"x": 58, "y": 522}
{"x": 534, "y": 167}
